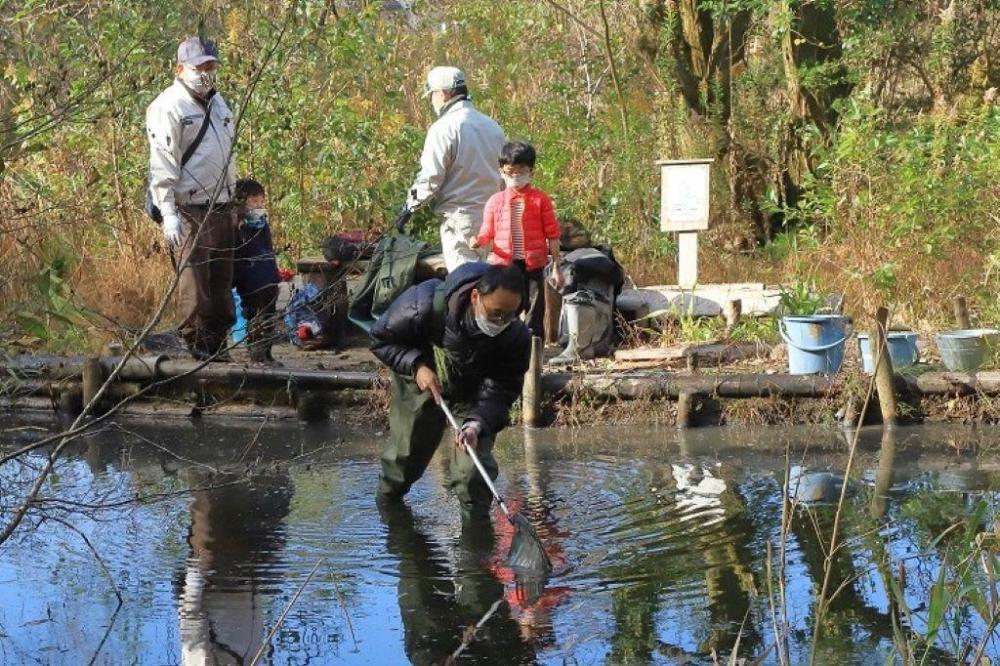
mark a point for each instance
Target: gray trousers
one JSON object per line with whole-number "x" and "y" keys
{"x": 457, "y": 228}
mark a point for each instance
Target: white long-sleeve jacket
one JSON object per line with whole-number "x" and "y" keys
{"x": 172, "y": 123}
{"x": 458, "y": 167}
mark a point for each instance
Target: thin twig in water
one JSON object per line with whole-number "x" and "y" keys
{"x": 343, "y": 607}
{"x": 163, "y": 449}
{"x": 821, "y": 600}
{"x": 284, "y": 614}
{"x": 253, "y": 441}
{"x": 786, "y": 526}
{"x": 470, "y": 635}
{"x": 771, "y": 605}
{"x": 987, "y": 637}
{"x": 107, "y": 632}
{"x": 733, "y": 659}
{"x": 141, "y": 499}
{"x": 97, "y": 556}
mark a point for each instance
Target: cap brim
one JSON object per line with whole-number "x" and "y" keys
{"x": 200, "y": 60}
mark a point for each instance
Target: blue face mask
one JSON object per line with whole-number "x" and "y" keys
{"x": 255, "y": 218}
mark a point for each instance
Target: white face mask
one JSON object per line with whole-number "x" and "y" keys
{"x": 488, "y": 327}
{"x": 438, "y": 105}
{"x": 199, "y": 82}
{"x": 518, "y": 180}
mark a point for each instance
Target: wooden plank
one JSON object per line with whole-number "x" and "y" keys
{"x": 706, "y": 354}
{"x": 671, "y": 353}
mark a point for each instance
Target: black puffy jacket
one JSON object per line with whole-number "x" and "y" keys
{"x": 492, "y": 369}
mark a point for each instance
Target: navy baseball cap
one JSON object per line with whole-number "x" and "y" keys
{"x": 192, "y": 51}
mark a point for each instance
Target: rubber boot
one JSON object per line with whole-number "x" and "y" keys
{"x": 569, "y": 355}
{"x": 587, "y": 332}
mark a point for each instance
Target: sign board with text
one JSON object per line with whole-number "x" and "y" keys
{"x": 684, "y": 194}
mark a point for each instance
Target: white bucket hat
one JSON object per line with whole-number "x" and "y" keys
{"x": 443, "y": 78}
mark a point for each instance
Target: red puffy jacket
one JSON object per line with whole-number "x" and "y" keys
{"x": 538, "y": 221}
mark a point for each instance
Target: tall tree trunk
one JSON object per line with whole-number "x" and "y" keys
{"x": 812, "y": 43}
{"x": 704, "y": 53}
{"x": 704, "y": 49}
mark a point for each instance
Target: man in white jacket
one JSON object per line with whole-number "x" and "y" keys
{"x": 459, "y": 167}
{"x": 192, "y": 182}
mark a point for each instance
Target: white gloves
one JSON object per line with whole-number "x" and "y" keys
{"x": 172, "y": 229}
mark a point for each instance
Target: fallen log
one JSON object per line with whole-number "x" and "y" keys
{"x": 38, "y": 371}
{"x": 158, "y": 368}
{"x": 28, "y": 366}
{"x": 951, "y": 383}
{"x": 669, "y": 385}
{"x": 150, "y": 369}
{"x": 662, "y": 385}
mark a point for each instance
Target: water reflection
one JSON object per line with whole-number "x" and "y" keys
{"x": 234, "y": 540}
{"x": 884, "y": 474}
{"x": 438, "y": 609}
{"x": 532, "y": 602}
{"x": 659, "y": 541}
{"x": 705, "y": 534}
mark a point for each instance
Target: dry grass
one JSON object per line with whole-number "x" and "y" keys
{"x": 583, "y": 408}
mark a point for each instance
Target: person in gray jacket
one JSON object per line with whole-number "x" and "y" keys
{"x": 192, "y": 182}
{"x": 459, "y": 167}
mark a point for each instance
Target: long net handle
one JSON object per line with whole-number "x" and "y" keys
{"x": 472, "y": 454}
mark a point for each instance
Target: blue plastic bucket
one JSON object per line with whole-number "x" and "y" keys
{"x": 815, "y": 342}
{"x": 902, "y": 350}
{"x": 967, "y": 349}
{"x": 239, "y": 332}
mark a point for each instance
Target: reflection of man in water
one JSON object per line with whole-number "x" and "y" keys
{"x": 532, "y": 602}
{"x": 438, "y": 607}
{"x": 234, "y": 530}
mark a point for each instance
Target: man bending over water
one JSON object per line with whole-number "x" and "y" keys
{"x": 459, "y": 339}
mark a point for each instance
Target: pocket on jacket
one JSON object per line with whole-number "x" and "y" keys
{"x": 190, "y": 126}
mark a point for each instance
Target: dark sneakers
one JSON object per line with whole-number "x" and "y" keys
{"x": 264, "y": 357}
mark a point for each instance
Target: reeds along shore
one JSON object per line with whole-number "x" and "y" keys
{"x": 884, "y": 189}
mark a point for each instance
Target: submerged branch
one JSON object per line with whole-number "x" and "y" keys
{"x": 277, "y": 625}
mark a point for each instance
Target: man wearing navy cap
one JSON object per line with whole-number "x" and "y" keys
{"x": 192, "y": 181}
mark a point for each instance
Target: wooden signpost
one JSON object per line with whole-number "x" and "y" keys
{"x": 684, "y": 209}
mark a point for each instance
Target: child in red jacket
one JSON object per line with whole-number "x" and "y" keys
{"x": 520, "y": 222}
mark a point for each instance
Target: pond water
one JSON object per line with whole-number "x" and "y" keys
{"x": 660, "y": 541}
